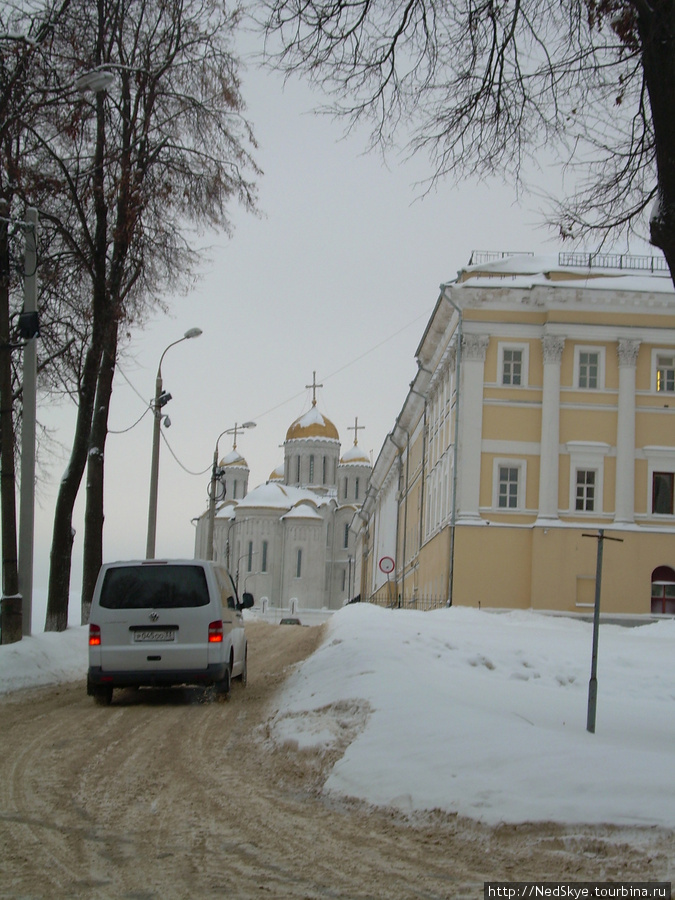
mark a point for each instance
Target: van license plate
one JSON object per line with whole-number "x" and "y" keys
{"x": 154, "y": 635}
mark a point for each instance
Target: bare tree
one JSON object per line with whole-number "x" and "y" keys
{"x": 25, "y": 37}
{"x": 122, "y": 179}
{"x": 481, "y": 86}
{"x": 164, "y": 148}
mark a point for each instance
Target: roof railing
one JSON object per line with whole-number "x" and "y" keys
{"x": 627, "y": 261}
{"x": 481, "y": 257}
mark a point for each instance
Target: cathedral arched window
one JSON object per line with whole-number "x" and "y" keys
{"x": 311, "y": 469}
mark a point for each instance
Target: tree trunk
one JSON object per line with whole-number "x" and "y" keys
{"x": 11, "y": 600}
{"x": 94, "y": 512}
{"x": 63, "y": 534}
{"x": 657, "y": 33}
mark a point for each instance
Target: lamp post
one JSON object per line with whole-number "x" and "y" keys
{"x": 215, "y": 474}
{"x": 160, "y": 400}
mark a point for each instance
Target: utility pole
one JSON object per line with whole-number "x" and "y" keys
{"x": 11, "y": 599}
{"x": 28, "y": 422}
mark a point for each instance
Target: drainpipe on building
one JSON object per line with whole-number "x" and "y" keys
{"x": 453, "y": 512}
{"x": 400, "y": 448}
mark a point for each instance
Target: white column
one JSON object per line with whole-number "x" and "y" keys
{"x": 549, "y": 454}
{"x": 474, "y": 347}
{"x": 625, "y": 433}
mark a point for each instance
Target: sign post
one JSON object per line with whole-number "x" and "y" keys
{"x": 387, "y": 565}
{"x": 593, "y": 683}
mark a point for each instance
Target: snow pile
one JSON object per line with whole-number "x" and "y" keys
{"x": 48, "y": 658}
{"x": 485, "y": 715}
{"x": 468, "y": 711}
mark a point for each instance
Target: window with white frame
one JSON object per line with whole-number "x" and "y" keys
{"x": 513, "y": 364}
{"x": 263, "y": 564}
{"x": 585, "y": 490}
{"x": 298, "y": 564}
{"x": 508, "y": 484}
{"x": 587, "y": 461}
{"x": 660, "y": 480}
{"x": 346, "y": 537}
{"x": 665, "y": 372}
{"x": 662, "y": 493}
{"x": 508, "y": 487}
{"x": 589, "y": 367}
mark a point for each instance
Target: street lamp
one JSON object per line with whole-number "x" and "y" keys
{"x": 243, "y": 556}
{"x": 161, "y": 399}
{"x": 215, "y": 475}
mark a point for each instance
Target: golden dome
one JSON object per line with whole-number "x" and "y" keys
{"x": 233, "y": 458}
{"x": 312, "y": 424}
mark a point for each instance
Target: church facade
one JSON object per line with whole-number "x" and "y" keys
{"x": 289, "y": 541}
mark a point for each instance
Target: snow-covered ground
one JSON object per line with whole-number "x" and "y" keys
{"x": 469, "y": 711}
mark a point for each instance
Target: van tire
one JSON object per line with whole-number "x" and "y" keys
{"x": 102, "y": 695}
{"x": 223, "y": 687}
{"x": 243, "y": 675}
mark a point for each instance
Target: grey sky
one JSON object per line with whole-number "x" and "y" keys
{"x": 338, "y": 276}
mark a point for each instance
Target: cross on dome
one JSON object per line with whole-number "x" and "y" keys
{"x": 235, "y": 431}
{"x": 355, "y": 428}
{"x": 314, "y": 386}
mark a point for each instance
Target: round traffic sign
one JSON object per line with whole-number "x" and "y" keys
{"x": 387, "y": 565}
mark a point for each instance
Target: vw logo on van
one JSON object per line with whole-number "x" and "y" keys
{"x": 154, "y": 616}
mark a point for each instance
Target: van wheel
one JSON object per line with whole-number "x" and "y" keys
{"x": 223, "y": 687}
{"x": 243, "y": 676}
{"x": 102, "y": 695}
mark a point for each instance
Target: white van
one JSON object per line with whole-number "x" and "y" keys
{"x": 161, "y": 622}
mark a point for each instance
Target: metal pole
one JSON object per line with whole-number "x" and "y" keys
{"x": 593, "y": 683}
{"x": 154, "y": 465}
{"x": 154, "y": 469}
{"x": 212, "y": 504}
{"x": 28, "y": 427}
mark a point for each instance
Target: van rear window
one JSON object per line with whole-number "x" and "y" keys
{"x": 154, "y": 587}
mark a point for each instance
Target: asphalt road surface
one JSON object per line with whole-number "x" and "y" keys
{"x": 175, "y": 794}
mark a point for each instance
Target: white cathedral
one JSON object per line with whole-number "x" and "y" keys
{"x": 289, "y": 541}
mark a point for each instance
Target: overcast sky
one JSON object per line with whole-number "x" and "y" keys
{"x": 339, "y": 276}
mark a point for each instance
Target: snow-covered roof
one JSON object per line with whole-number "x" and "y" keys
{"x": 312, "y": 424}
{"x": 355, "y": 456}
{"x": 522, "y": 270}
{"x": 303, "y": 510}
{"x": 234, "y": 458}
{"x": 273, "y": 495}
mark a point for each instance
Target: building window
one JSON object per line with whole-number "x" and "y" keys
{"x": 356, "y": 488}
{"x": 662, "y": 493}
{"x": 311, "y": 469}
{"x": 346, "y": 489}
{"x": 663, "y": 591}
{"x": 665, "y": 373}
{"x": 344, "y": 579}
{"x": 585, "y": 494}
{"x": 508, "y": 487}
{"x": 512, "y": 364}
{"x": 298, "y": 564}
{"x": 346, "y": 538}
{"x": 324, "y": 473}
{"x": 263, "y": 563}
{"x": 512, "y": 367}
{"x": 297, "y": 467}
{"x": 588, "y": 369}
{"x": 250, "y": 556}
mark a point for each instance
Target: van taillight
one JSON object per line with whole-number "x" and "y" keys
{"x": 94, "y": 635}
{"x": 216, "y": 632}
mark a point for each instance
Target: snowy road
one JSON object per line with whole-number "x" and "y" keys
{"x": 163, "y": 795}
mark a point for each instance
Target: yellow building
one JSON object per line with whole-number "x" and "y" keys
{"x": 543, "y": 411}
